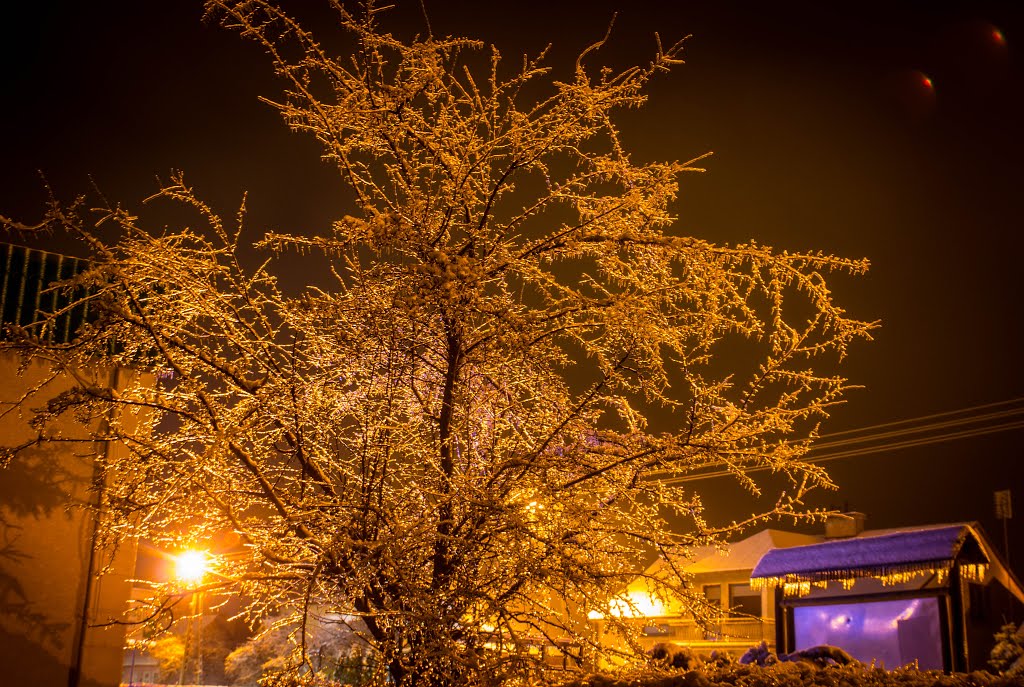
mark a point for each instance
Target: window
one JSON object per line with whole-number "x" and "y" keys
{"x": 713, "y": 594}
{"x": 890, "y": 633}
{"x": 712, "y": 631}
{"x": 744, "y": 601}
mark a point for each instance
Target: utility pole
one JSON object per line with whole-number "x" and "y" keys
{"x": 1004, "y": 511}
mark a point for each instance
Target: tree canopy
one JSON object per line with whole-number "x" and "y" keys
{"x": 473, "y": 437}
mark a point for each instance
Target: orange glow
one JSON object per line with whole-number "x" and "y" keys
{"x": 635, "y": 604}
{"x": 190, "y": 566}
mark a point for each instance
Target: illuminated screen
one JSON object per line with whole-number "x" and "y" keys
{"x": 890, "y": 633}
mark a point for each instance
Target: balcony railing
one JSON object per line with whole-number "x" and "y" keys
{"x": 731, "y": 630}
{"x": 27, "y": 295}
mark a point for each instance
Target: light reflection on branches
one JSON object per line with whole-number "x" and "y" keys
{"x": 463, "y": 443}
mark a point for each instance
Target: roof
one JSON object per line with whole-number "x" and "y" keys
{"x": 915, "y": 548}
{"x": 745, "y": 553}
{"x": 779, "y": 557}
{"x": 892, "y": 557}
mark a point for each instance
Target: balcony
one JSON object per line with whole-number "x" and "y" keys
{"x": 728, "y": 631}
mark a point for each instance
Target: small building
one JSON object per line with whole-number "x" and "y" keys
{"x": 934, "y": 595}
{"x": 747, "y": 615}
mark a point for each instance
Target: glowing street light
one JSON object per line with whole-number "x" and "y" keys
{"x": 190, "y": 566}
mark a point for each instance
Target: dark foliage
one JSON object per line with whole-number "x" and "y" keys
{"x": 801, "y": 674}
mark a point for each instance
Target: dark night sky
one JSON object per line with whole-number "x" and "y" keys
{"x": 824, "y": 137}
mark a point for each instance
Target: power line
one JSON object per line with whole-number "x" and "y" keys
{"x": 909, "y": 426}
{"x": 923, "y": 441}
{"x": 959, "y": 422}
{"x": 947, "y": 413}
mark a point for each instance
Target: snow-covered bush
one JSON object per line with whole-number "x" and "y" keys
{"x": 799, "y": 674}
{"x": 334, "y": 654}
{"x": 759, "y": 655}
{"x": 1007, "y": 657}
{"x": 685, "y": 658}
{"x": 820, "y": 656}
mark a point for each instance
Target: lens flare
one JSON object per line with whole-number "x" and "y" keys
{"x": 190, "y": 566}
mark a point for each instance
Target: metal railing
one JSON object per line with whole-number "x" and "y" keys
{"x": 733, "y": 630}
{"x": 27, "y": 294}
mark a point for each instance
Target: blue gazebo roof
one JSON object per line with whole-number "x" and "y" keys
{"x": 885, "y": 556}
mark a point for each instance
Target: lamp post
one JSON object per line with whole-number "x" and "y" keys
{"x": 189, "y": 568}
{"x": 131, "y": 673}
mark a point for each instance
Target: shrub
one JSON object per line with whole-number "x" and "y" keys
{"x": 1007, "y": 657}
{"x": 797, "y": 674}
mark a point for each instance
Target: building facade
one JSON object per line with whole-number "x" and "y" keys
{"x": 745, "y": 615}
{"x": 932, "y": 595}
{"x": 55, "y": 605}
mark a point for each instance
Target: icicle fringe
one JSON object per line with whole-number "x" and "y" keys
{"x": 801, "y": 583}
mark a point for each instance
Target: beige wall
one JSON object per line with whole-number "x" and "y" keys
{"x": 46, "y": 542}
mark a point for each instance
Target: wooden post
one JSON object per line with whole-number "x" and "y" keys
{"x": 957, "y": 620}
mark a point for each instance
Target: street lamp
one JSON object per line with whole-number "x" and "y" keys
{"x": 190, "y": 567}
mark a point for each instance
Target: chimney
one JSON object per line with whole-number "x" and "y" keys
{"x": 841, "y": 525}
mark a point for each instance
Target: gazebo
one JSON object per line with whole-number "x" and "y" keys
{"x": 923, "y": 595}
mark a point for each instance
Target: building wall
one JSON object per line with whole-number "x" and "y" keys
{"x": 987, "y": 607}
{"x": 49, "y": 601}
{"x": 667, "y": 621}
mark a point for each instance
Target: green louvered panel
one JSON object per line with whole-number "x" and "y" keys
{"x": 26, "y": 278}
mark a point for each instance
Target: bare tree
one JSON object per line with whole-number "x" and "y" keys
{"x": 473, "y": 437}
